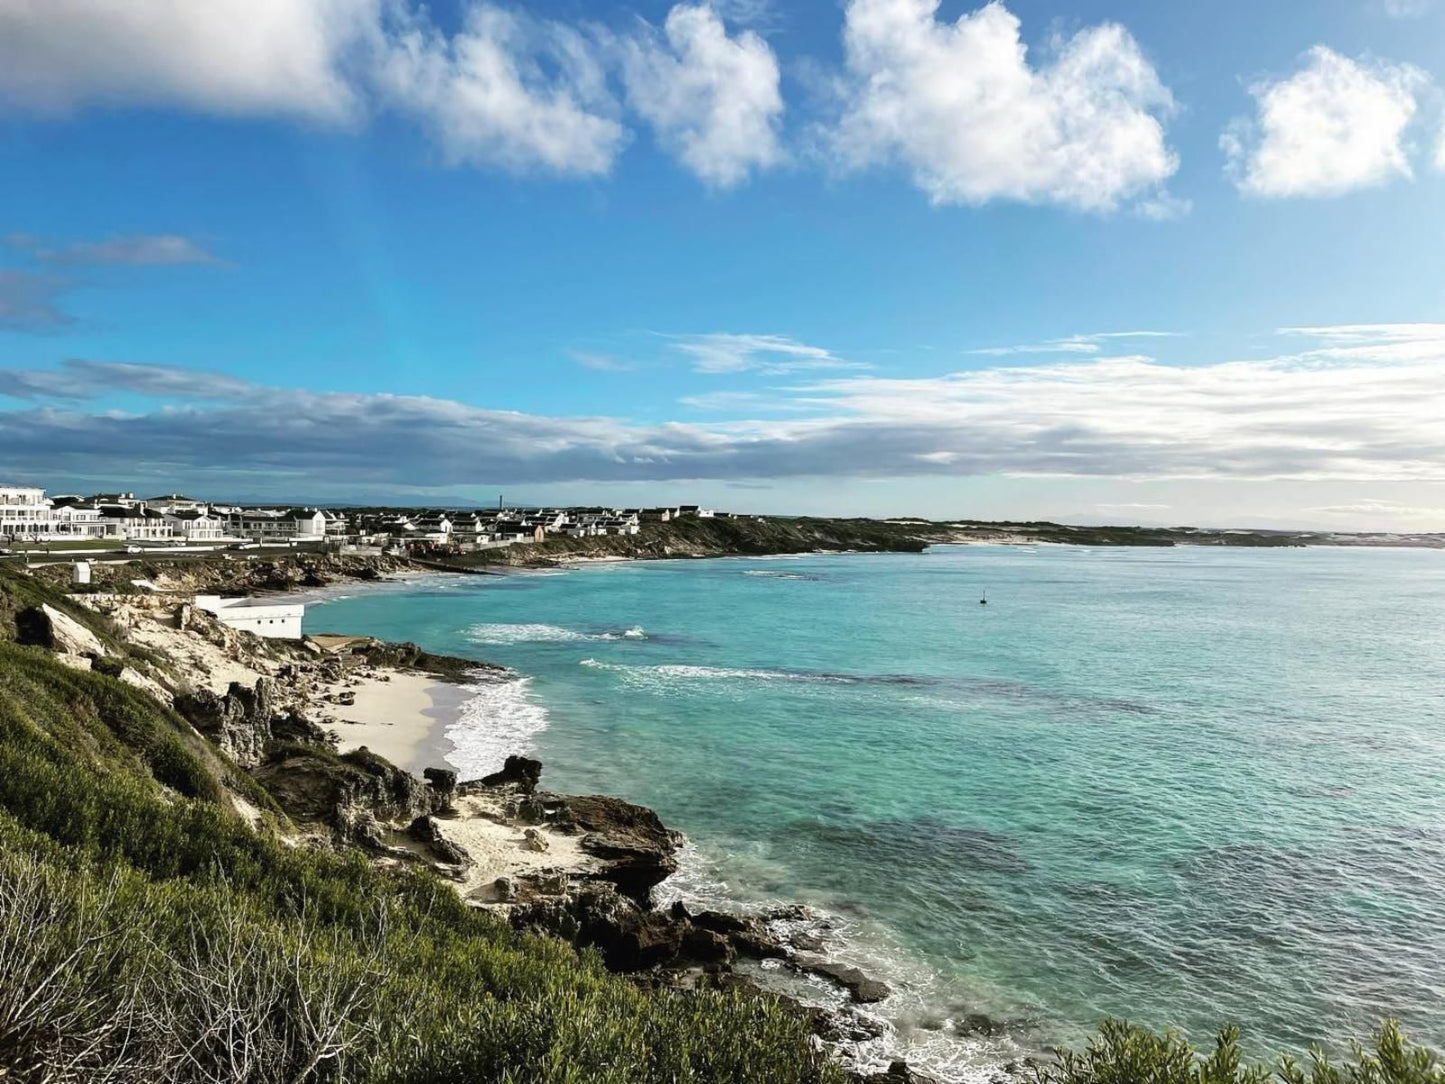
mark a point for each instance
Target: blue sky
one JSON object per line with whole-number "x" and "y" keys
{"x": 859, "y": 257}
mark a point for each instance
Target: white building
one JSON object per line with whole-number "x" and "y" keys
{"x": 273, "y": 620}
{"x": 175, "y": 502}
{"x": 25, "y": 514}
{"x": 195, "y": 525}
{"x": 266, "y": 525}
{"x": 137, "y": 523}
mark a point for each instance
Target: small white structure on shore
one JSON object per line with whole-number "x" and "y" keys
{"x": 273, "y": 620}
{"x": 80, "y": 576}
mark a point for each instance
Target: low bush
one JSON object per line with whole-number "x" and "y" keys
{"x": 1124, "y": 1053}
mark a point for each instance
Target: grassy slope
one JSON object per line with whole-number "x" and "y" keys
{"x": 179, "y": 925}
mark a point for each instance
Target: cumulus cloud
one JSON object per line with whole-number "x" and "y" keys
{"x": 1335, "y": 126}
{"x": 507, "y": 90}
{"x": 1369, "y": 416}
{"x": 960, "y": 105}
{"x": 713, "y": 99}
{"x": 770, "y": 354}
{"x": 236, "y": 57}
{"x": 30, "y": 302}
{"x": 138, "y": 250}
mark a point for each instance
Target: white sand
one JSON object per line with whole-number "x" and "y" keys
{"x": 500, "y": 850}
{"x": 395, "y": 716}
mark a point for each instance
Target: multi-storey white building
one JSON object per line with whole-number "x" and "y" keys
{"x": 25, "y": 513}
{"x": 267, "y": 525}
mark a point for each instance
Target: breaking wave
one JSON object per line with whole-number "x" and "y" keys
{"x": 681, "y": 672}
{"x": 502, "y": 633}
{"x": 501, "y": 718}
{"x": 927, "y": 1020}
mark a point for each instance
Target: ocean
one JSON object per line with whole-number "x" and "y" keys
{"x": 1183, "y": 786}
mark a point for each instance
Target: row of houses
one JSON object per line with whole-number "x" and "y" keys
{"x": 27, "y": 514}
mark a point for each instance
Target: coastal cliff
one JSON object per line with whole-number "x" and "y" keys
{"x": 141, "y": 739}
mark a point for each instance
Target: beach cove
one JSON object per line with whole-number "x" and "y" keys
{"x": 951, "y": 785}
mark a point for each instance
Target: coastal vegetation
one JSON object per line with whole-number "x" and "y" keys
{"x": 151, "y": 930}
{"x": 148, "y": 932}
{"x": 1124, "y": 1053}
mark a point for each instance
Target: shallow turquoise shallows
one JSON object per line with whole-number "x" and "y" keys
{"x": 1184, "y": 786}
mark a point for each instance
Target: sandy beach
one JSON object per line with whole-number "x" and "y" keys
{"x": 401, "y": 715}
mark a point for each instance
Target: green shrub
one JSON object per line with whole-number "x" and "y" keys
{"x": 148, "y": 934}
{"x": 1124, "y": 1053}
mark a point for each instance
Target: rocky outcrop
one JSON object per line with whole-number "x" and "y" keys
{"x": 521, "y": 773}
{"x": 239, "y": 721}
{"x": 638, "y": 849}
{"x": 860, "y": 987}
{"x": 232, "y": 573}
{"x": 897, "y": 1072}
{"x": 443, "y": 783}
{"x": 426, "y": 831}
{"x": 318, "y": 786}
{"x": 633, "y": 937}
{"x": 45, "y": 626}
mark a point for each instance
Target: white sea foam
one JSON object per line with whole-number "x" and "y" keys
{"x": 545, "y": 634}
{"x": 500, "y": 719}
{"x": 918, "y": 1018}
{"x": 671, "y": 675}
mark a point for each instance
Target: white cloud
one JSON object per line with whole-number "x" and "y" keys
{"x": 1405, "y": 9}
{"x": 602, "y": 363}
{"x": 137, "y": 250}
{"x": 713, "y": 99}
{"x": 30, "y": 302}
{"x": 960, "y": 105}
{"x": 1372, "y": 416}
{"x": 1073, "y": 344}
{"x": 772, "y": 354}
{"x": 507, "y": 90}
{"x": 1335, "y": 126}
{"x": 239, "y": 57}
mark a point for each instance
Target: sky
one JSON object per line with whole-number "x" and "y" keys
{"x": 1109, "y": 261}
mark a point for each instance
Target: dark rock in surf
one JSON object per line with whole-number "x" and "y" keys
{"x": 897, "y": 1073}
{"x": 860, "y": 987}
{"x": 640, "y": 851}
{"x": 524, "y": 773}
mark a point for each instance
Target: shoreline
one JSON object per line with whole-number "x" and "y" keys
{"x": 922, "y": 1022}
{"x": 408, "y": 715}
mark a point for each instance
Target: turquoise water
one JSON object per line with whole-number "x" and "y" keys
{"x": 1183, "y": 786}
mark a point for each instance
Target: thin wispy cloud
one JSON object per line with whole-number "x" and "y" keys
{"x": 80, "y": 379}
{"x": 1382, "y": 511}
{"x": 1073, "y": 344}
{"x": 773, "y": 355}
{"x": 31, "y": 302}
{"x": 603, "y": 363}
{"x": 136, "y": 250}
